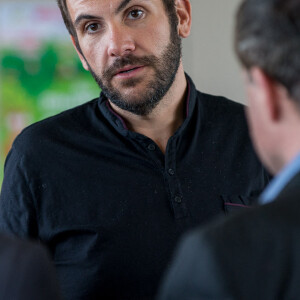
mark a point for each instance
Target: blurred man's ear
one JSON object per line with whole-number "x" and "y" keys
{"x": 82, "y": 59}
{"x": 266, "y": 91}
{"x": 184, "y": 13}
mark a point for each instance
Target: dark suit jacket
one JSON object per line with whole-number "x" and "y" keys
{"x": 25, "y": 271}
{"x": 252, "y": 255}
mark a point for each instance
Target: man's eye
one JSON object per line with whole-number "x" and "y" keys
{"x": 92, "y": 28}
{"x": 135, "y": 14}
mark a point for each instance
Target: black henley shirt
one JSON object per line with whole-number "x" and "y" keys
{"x": 110, "y": 205}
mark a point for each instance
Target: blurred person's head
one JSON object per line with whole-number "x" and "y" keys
{"x": 131, "y": 47}
{"x": 267, "y": 42}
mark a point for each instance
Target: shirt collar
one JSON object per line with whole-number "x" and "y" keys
{"x": 280, "y": 181}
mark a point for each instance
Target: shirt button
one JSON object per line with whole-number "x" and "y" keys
{"x": 151, "y": 147}
{"x": 171, "y": 172}
{"x": 178, "y": 199}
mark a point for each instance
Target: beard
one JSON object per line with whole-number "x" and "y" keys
{"x": 165, "y": 69}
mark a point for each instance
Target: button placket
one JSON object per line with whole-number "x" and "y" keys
{"x": 177, "y": 198}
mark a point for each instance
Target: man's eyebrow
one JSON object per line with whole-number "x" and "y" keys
{"x": 123, "y": 4}
{"x": 85, "y": 17}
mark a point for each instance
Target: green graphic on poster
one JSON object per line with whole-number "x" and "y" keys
{"x": 40, "y": 73}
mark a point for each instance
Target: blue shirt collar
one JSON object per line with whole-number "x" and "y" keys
{"x": 280, "y": 181}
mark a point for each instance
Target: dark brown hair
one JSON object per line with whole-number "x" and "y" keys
{"x": 267, "y": 35}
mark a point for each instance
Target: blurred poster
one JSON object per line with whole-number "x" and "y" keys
{"x": 40, "y": 74}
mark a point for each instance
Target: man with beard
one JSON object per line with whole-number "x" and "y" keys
{"x": 109, "y": 186}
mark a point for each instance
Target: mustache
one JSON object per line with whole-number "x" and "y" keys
{"x": 122, "y": 62}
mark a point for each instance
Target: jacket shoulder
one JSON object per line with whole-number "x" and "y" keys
{"x": 261, "y": 242}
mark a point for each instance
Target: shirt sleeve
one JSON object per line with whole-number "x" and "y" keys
{"x": 17, "y": 212}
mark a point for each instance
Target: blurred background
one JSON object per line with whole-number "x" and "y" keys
{"x": 40, "y": 74}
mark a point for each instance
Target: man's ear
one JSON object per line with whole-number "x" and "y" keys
{"x": 184, "y": 13}
{"x": 82, "y": 59}
{"x": 267, "y": 93}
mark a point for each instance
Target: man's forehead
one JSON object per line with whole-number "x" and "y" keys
{"x": 77, "y": 6}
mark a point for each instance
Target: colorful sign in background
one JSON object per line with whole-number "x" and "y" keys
{"x": 40, "y": 74}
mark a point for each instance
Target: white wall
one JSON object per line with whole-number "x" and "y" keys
{"x": 208, "y": 53}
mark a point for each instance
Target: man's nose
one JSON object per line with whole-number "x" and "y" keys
{"x": 121, "y": 42}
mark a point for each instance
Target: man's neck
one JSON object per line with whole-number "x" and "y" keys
{"x": 286, "y": 143}
{"x": 165, "y": 119}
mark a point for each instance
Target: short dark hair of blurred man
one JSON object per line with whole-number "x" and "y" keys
{"x": 259, "y": 258}
{"x": 110, "y": 186}
{"x": 26, "y": 272}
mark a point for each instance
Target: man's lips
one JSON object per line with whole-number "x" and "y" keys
{"x": 128, "y": 69}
